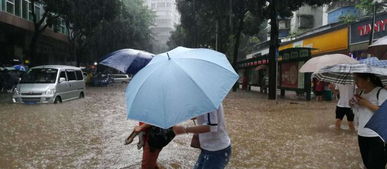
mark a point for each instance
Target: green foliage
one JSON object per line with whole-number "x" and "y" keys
{"x": 367, "y": 6}
{"x": 98, "y": 27}
{"x": 347, "y": 19}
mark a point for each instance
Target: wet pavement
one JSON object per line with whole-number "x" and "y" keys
{"x": 89, "y": 133}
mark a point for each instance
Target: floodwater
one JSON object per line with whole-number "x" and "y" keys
{"x": 89, "y": 133}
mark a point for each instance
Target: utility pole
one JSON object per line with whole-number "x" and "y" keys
{"x": 273, "y": 51}
{"x": 373, "y": 24}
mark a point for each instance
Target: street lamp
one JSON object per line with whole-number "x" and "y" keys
{"x": 95, "y": 63}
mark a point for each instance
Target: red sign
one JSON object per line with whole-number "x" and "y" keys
{"x": 289, "y": 75}
{"x": 378, "y": 27}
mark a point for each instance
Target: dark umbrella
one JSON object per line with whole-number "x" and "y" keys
{"x": 127, "y": 60}
{"x": 378, "y": 121}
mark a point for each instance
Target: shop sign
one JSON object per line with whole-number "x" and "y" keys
{"x": 360, "y": 31}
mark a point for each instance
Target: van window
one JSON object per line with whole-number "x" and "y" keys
{"x": 40, "y": 75}
{"x": 62, "y": 74}
{"x": 79, "y": 75}
{"x": 71, "y": 75}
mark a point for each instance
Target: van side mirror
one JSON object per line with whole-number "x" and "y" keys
{"x": 62, "y": 79}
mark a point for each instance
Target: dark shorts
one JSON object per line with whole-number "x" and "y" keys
{"x": 344, "y": 111}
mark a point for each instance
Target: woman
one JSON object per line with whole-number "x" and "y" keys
{"x": 214, "y": 141}
{"x": 372, "y": 95}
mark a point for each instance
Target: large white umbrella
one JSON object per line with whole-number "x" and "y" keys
{"x": 317, "y": 63}
{"x": 379, "y": 48}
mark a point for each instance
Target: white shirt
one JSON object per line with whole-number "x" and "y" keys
{"x": 217, "y": 139}
{"x": 364, "y": 114}
{"x": 346, "y": 94}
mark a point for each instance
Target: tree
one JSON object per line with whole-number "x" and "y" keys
{"x": 272, "y": 9}
{"x": 83, "y": 18}
{"x": 131, "y": 29}
{"x": 98, "y": 27}
{"x": 367, "y": 6}
{"x": 49, "y": 17}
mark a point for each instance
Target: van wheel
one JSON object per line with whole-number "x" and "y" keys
{"x": 57, "y": 100}
{"x": 81, "y": 95}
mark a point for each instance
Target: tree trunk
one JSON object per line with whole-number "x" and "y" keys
{"x": 236, "y": 48}
{"x": 273, "y": 52}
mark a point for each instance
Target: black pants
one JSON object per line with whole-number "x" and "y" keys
{"x": 373, "y": 152}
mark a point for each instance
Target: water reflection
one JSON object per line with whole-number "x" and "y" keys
{"x": 89, "y": 133}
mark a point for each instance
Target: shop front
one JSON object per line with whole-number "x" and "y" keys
{"x": 253, "y": 73}
{"x": 289, "y": 62}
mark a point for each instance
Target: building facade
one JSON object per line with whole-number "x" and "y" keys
{"x": 167, "y": 17}
{"x": 338, "y": 9}
{"x": 16, "y": 30}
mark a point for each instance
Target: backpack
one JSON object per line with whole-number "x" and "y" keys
{"x": 159, "y": 138}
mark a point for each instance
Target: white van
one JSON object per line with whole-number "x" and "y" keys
{"x": 50, "y": 84}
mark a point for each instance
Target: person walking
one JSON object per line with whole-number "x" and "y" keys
{"x": 318, "y": 88}
{"x": 345, "y": 93}
{"x": 372, "y": 95}
{"x": 215, "y": 144}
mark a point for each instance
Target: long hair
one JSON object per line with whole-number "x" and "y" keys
{"x": 375, "y": 80}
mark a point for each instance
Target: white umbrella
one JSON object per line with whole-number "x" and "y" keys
{"x": 380, "y": 42}
{"x": 317, "y": 63}
{"x": 379, "y": 48}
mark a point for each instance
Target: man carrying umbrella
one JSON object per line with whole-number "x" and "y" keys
{"x": 346, "y": 93}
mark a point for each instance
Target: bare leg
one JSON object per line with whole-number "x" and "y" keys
{"x": 338, "y": 124}
{"x": 351, "y": 126}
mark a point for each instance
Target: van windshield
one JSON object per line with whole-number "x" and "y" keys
{"x": 40, "y": 75}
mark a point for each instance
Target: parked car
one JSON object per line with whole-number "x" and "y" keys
{"x": 121, "y": 78}
{"x": 50, "y": 84}
{"x": 102, "y": 79}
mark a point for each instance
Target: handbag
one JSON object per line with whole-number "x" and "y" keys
{"x": 195, "y": 143}
{"x": 159, "y": 137}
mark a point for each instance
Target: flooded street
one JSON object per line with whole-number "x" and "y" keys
{"x": 89, "y": 133}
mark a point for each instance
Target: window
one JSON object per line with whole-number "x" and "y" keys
{"x": 25, "y": 9}
{"x": 71, "y": 75}
{"x": 2, "y": 5}
{"x": 11, "y": 6}
{"x": 30, "y": 17}
{"x": 18, "y": 7}
{"x": 79, "y": 75}
{"x": 62, "y": 74}
{"x": 306, "y": 21}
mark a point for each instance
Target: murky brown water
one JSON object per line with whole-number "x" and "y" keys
{"x": 89, "y": 133}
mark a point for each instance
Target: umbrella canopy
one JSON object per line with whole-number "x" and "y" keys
{"x": 379, "y": 48}
{"x": 316, "y": 63}
{"x": 343, "y": 73}
{"x": 179, "y": 85}
{"x": 374, "y": 61}
{"x": 127, "y": 60}
{"x": 378, "y": 121}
